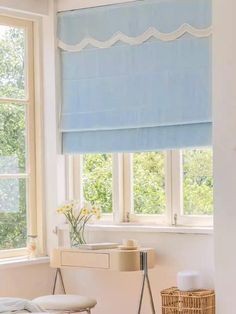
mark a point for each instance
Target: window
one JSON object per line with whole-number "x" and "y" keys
{"x": 194, "y": 180}
{"x": 97, "y": 180}
{"x": 149, "y": 196}
{"x": 197, "y": 182}
{"x": 17, "y": 136}
{"x": 173, "y": 187}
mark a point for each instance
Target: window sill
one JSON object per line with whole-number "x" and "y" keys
{"x": 22, "y": 261}
{"x": 129, "y": 227}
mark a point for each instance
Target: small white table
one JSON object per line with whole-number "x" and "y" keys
{"x": 109, "y": 259}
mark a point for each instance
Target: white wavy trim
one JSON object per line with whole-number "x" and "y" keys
{"x": 149, "y": 33}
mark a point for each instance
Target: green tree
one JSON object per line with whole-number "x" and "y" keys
{"x": 97, "y": 180}
{"x": 149, "y": 183}
{"x": 12, "y": 61}
{"x": 13, "y": 222}
{"x": 198, "y": 182}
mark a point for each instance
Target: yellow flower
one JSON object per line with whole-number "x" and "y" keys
{"x": 84, "y": 211}
{"x": 60, "y": 210}
{"x": 68, "y": 207}
{"x": 65, "y": 208}
{"x": 96, "y": 212}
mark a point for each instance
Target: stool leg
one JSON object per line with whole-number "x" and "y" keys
{"x": 55, "y": 282}
{"x": 62, "y": 281}
{"x": 58, "y": 272}
{"x": 88, "y": 311}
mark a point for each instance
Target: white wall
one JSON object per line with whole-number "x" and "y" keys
{"x": 26, "y": 281}
{"x": 30, "y": 6}
{"x": 224, "y": 117}
{"x": 54, "y": 162}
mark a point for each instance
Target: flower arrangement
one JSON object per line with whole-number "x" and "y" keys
{"x": 78, "y": 218}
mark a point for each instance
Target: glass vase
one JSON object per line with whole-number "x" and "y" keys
{"x": 77, "y": 236}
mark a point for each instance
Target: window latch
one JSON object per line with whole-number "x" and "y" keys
{"x": 127, "y": 217}
{"x": 175, "y": 220}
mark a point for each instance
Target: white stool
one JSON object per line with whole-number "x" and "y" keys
{"x": 65, "y": 303}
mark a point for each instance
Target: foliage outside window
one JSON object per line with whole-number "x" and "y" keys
{"x": 15, "y": 142}
{"x": 149, "y": 183}
{"x": 197, "y": 182}
{"x": 97, "y": 180}
{"x": 154, "y": 186}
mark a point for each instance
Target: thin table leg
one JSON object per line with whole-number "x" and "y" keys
{"x": 150, "y": 294}
{"x": 141, "y": 295}
{"x": 144, "y": 267}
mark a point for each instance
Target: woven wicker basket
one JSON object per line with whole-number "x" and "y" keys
{"x": 175, "y": 301}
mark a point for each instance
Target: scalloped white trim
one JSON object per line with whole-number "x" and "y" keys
{"x": 149, "y": 33}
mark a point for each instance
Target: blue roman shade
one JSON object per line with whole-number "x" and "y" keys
{"x": 136, "y": 76}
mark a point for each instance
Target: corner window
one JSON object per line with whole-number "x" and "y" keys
{"x": 17, "y": 136}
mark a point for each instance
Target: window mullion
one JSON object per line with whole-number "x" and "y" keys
{"x": 128, "y": 186}
{"x": 77, "y": 175}
{"x": 176, "y": 184}
{"x": 74, "y": 184}
{"x": 14, "y": 101}
{"x": 168, "y": 186}
{"x": 69, "y": 177}
{"x": 14, "y": 176}
{"x": 117, "y": 188}
{"x": 30, "y": 124}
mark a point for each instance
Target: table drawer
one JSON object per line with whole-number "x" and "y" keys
{"x": 85, "y": 259}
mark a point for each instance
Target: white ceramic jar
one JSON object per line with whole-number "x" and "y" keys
{"x": 188, "y": 280}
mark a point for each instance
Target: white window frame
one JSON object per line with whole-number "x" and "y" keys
{"x": 34, "y": 143}
{"x": 128, "y": 191}
{"x": 74, "y": 187}
{"x": 123, "y": 192}
{"x": 177, "y": 182}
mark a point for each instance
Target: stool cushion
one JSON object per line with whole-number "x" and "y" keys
{"x": 65, "y": 302}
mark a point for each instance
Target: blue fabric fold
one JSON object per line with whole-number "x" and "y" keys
{"x": 138, "y": 140}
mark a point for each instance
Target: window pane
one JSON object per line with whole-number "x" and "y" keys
{"x": 12, "y": 138}
{"x": 13, "y": 222}
{"x": 149, "y": 183}
{"x": 197, "y": 182}
{"x": 97, "y": 180}
{"x": 12, "y": 62}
